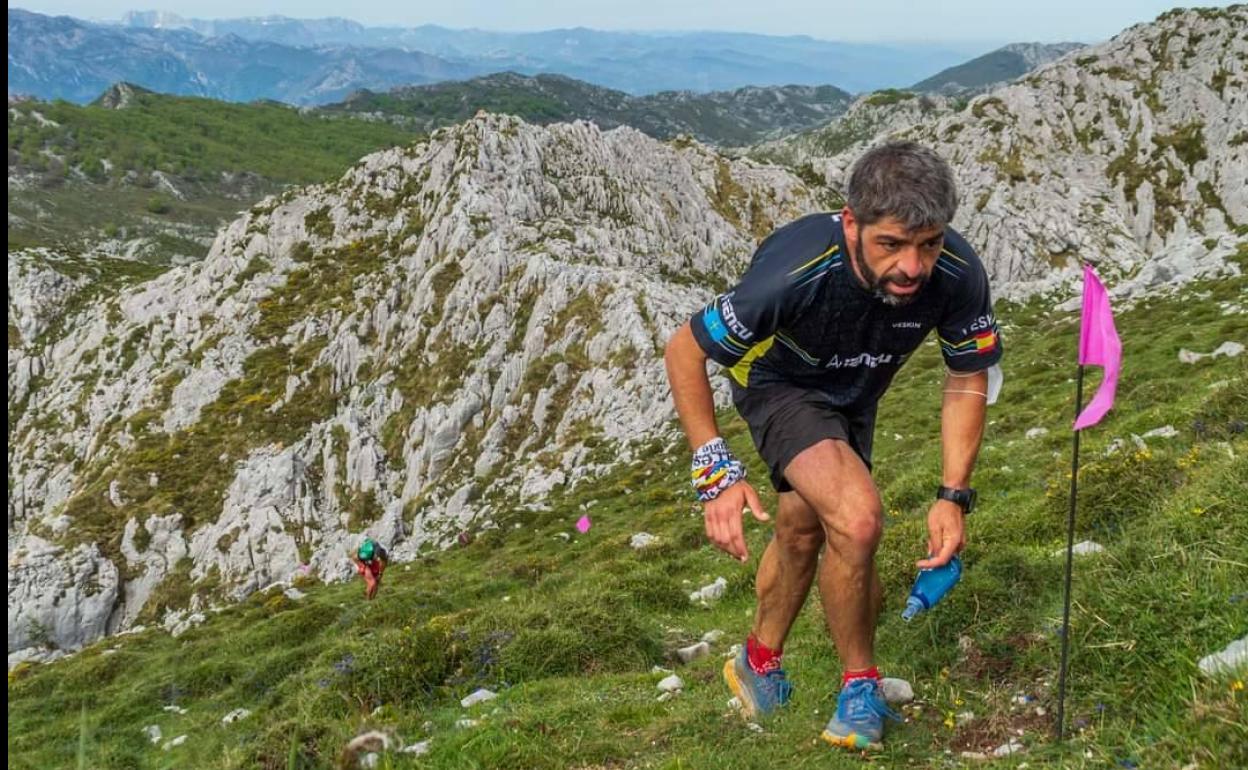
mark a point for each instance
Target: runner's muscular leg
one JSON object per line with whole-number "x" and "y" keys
{"x": 836, "y": 484}
{"x": 787, "y": 569}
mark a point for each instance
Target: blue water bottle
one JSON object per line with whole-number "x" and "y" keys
{"x": 930, "y": 587}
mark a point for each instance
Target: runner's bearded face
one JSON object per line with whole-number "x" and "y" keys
{"x": 895, "y": 263}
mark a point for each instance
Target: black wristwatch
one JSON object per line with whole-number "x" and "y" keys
{"x": 965, "y": 498}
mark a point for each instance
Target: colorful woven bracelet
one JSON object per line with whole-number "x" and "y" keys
{"x": 714, "y": 469}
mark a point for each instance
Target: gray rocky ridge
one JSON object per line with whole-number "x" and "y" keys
{"x": 450, "y": 326}
{"x": 1132, "y": 154}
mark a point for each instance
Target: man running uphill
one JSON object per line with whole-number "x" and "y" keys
{"x": 828, "y": 311}
{"x": 370, "y": 561}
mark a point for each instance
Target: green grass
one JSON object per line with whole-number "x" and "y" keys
{"x": 194, "y": 139}
{"x": 567, "y": 631}
{"x": 94, "y": 168}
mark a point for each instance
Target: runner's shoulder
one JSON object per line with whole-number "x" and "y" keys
{"x": 962, "y": 260}
{"x": 958, "y": 247}
{"x": 800, "y": 240}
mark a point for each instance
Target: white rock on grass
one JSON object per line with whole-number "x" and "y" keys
{"x": 372, "y": 740}
{"x": 711, "y": 592}
{"x": 1082, "y": 548}
{"x": 693, "y": 652}
{"x": 672, "y": 683}
{"x": 175, "y": 709}
{"x": 1228, "y": 660}
{"x": 1007, "y": 749}
{"x": 174, "y": 743}
{"x": 1036, "y": 432}
{"x": 642, "y": 540}
{"x": 419, "y": 748}
{"x": 975, "y": 756}
{"x": 178, "y": 622}
{"x": 896, "y": 690}
{"x": 294, "y": 594}
{"x": 713, "y": 637}
{"x": 153, "y": 733}
{"x": 235, "y": 715}
{"x": 1228, "y": 349}
{"x": 480, "y": 696}
{"x": 464, "y": 724}
{"x": 1166, "y": 431}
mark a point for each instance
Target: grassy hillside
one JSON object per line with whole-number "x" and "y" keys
{"x": 95, "y": 172}
{"x": 566, "y": 627}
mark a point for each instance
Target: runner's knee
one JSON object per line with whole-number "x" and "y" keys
{"x": 800, "y": 540}
{"x": 857, "y": 529}
{"x": 864, "y": 529}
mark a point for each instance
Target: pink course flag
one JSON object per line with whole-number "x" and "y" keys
{"x": 1098, "y": 346}
{"x": 583, "y": 524}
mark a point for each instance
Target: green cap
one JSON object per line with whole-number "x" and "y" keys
{"x": 366, "y": 549}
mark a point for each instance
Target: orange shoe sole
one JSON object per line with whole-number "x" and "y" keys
{"x": 852, "y": 742}
{"x": 748, "y": 709}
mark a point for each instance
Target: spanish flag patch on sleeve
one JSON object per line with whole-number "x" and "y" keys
{"x": 986, "y": 342}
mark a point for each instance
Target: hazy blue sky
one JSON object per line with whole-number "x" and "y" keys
{"x": 878, "y": 20}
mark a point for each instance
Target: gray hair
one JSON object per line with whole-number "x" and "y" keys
{"x": 904, "y": 180}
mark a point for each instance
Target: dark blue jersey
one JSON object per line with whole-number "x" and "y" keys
{"x": 799, "y": 316}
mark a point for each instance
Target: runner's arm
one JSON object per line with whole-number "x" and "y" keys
{"x": 961, "y": 430}
{"x": 962, "y": 426}
{"x": 691, "y": 388}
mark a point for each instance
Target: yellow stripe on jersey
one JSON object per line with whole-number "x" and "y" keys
{"x": 799, "y": 269}
{"x": 950, "y": 254}
{"x": 741, "y": 371}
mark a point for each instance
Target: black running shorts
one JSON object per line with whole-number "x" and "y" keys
{"x": 784, "y": 420}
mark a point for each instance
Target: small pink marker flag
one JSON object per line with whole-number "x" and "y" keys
{"x": 1098, "y": 346}
{"x": 582, "y": 524}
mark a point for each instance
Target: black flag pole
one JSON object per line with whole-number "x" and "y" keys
{"x": 1070, "y": 556}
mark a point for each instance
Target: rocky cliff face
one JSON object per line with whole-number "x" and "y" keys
{"x": 452, "y": 327}
{"x": 1132, "y": 154}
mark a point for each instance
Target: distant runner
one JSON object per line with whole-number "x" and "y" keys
{"x": 370, "y": 561}
{"x": 829, "y": 309}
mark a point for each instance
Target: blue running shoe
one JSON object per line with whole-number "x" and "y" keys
{"x": 859, "y": 720}
{"x": 759, "y": 695}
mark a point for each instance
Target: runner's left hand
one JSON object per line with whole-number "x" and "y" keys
{"x": 946, "y": 534}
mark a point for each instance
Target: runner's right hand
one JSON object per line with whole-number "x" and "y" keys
{"x": 723, "y": 518}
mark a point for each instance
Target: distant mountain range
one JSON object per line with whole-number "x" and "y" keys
{"x": 994, "y": 68}
{"x": 321, "y": 61}
{"x": 634, "y": 62}
{"x": 743, "y": 116}
{"x": 64, "y": 58}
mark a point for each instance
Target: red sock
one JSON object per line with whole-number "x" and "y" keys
{"x": 762, "y": 659}
{"x": 866, "y": 673}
